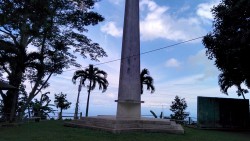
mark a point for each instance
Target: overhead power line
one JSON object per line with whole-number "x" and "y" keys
{"x": 150, "y": 51}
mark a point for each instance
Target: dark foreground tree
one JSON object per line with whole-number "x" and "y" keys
{"x": 95, "y": 77}
{"x": 147, "y": 80}
{"x": 229, "y": 44}
{"x": 38, "y": 39}
{"x": 61, "y": 102}
{"x": 178, "y": 108}
{"x": 42, "y": 108}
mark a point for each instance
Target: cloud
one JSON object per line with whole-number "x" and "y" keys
{"x": 159, "y": 23}
{"x": 187, "y": 81}
{"x": 116, "y": 2}
{"x": 200, "y": 60}
{"x": 204, "y": 9}
{"x": 97, "y": 5}
{"x": 173, "y": 63}
{"x": 183, "y": 9}
{"x": 111, "y": 29}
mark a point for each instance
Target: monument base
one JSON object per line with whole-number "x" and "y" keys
{"x": 114, "y": 125}
{"x": 128, "y": 109}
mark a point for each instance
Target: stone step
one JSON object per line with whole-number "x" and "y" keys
{"x": 113, "y": 125}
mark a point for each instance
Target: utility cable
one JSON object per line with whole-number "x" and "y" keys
{"x": 150, "y": 51}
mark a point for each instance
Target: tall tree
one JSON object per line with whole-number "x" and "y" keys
{"x": 38, "y": 39}
{"x": 61, "y": 102}
{"x": 229, "y": 44}
{"x": 95, "y": 77}
{"x": 178, "y": 108}
{"x": 147, "y": 80}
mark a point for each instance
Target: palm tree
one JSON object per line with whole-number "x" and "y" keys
{"x": 79, "y": 91}
{"x": 95, "y": 77}
{"x": 147, "y": 80}
{"x": 41, "y": 108}
{"x": 61, "y": 102}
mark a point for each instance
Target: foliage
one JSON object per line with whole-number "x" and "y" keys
{"x": 22, "y": 96}
{"x": 42, "y": 108}
{"x": 178, "y": 108}
{"x": 38, "y": 38}
{"x": 22, "y": 99}
{"x": 155, "y": 116}
{"x": 95, "y": 77}
{"x": 61, "y": 102}
{"x": 147, "y": 80}
{"x": 229, "y": 44}
{"x": 153, "y": 113}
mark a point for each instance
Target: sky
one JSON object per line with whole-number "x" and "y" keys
{"x": 182, "y": 70}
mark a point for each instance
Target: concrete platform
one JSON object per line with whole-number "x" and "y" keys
{"x": 111, "y": 124}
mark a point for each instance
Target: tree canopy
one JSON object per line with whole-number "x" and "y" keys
{"x": 178, "y": 108}
{"x": 61, "y": 102}
{"x": 41, "y": 108}
{"x": 38, "y": 38}
{"x": 229, "y": 44}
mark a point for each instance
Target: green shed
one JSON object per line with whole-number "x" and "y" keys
{"x": 222, "y": 113}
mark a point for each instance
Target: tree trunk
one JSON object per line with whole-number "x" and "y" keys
{"x": 10, "y": 102}
{"x": 77, "y": 100}
{"x": 243, "y": 95}
{"x": 77, "y": 103}
{"x": 28, "y": 111}
{"x": 87, "y": 106}
{"x": 60, "y": 114}
{"x": 14, "y": 106}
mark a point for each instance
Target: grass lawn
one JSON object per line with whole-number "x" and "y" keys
{"x": 55, "y": 131}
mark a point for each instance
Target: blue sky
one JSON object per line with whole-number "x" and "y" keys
{"x": 181, "y": 70}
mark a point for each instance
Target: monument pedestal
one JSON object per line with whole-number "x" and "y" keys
{"x": 128, "y": 109}
{"x": 127, "y": 119}
{"x": 116, "y": 125}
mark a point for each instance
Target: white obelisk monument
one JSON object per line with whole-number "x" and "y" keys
{"x": 129, "y": 94}
{"x": 128, "y": 115}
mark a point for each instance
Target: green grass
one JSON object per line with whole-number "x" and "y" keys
{"x": 55, "y": 131}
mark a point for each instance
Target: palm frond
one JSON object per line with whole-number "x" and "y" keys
{"x": 147, "y": 80}
{"x": 78, "y": 73}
